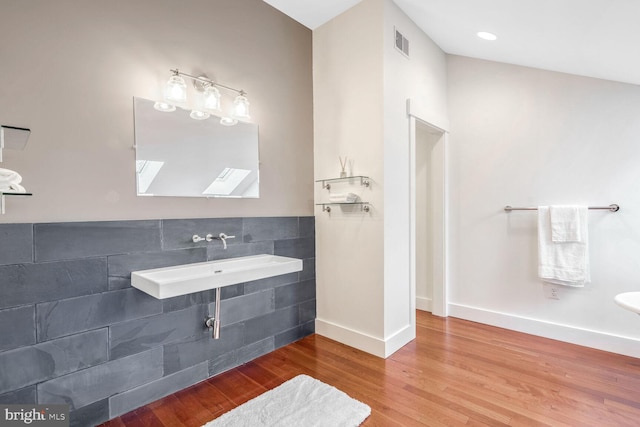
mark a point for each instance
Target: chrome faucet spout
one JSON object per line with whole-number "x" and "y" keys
{"x": 223, "y": 238}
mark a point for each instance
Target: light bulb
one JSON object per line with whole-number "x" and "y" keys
{"x": 211, "y": 98}
{"x": 164, "y": 107}
{"x": 228, "y": 121}
{"x": 199, "y": 115}
{"x": 241, "y": 108}
{"x": 176, "y": 89}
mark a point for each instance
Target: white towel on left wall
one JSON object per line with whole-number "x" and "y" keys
{"x": 12, "y": 188}
{"x": 343, "y": 198}
{"x": 562, "y": 263}
{"x": 7, "y": 176}
{"x": 10, "y": 181}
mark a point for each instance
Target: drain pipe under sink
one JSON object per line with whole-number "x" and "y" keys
{"x": 214, "y": 321}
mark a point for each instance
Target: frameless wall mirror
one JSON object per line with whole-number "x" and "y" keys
{"x": 177, "y": 155}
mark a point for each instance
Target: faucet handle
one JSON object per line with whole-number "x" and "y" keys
{"x": 224, "y": 236}
{"x": 209, "y": 237}
{"x": 197, "y": 238}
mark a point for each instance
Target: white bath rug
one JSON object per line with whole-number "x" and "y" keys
{"x": 300, "y": 402}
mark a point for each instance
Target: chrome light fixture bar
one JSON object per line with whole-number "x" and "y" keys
{"x": 176, "y": 93}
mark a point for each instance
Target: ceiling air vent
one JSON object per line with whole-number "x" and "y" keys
{"x": 402, "y": 44}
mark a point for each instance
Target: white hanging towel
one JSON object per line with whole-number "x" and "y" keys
{"x": 563, "y": 262}
{"x": 566, "y": 223}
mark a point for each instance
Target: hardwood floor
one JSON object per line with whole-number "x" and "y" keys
{"x": 456, "y": 373}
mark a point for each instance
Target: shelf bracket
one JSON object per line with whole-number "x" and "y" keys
{"x": 3, "y": 201}
{"x": 326, "y": 185}
{"x": 364, "y": 206}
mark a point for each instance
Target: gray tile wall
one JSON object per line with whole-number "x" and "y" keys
{"x": 74, "y": 331}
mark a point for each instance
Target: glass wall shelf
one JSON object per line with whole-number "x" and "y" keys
{"x": 326, "y": 207}
{"x": 364, "y": 180}
{"x": 9, "y": 193}
{"x": 13, "y": 138}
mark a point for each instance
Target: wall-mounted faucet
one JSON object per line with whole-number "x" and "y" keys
{"x": 222, "y": 237}
{"x": 209, "y": 237}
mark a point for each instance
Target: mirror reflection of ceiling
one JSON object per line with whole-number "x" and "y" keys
{"x": 179, "y": 156}
{"x": 593, "y": 38}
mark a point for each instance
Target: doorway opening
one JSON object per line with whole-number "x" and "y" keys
{"x": 429, "y": 201}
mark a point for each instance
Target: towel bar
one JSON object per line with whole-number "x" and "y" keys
{"x": 611, "y": 208}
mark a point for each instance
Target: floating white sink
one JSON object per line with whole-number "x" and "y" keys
{"x": 185, "y": 279}
{"x": 629, "y": 300}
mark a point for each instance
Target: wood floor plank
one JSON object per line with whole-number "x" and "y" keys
{"x": 236, "y": 387}
{"x": 381, "y": 395}
{"x": 192, "y": 411}
{"x": 404, "y": 376}
{"x": 529, "y": 388}
{"x": 147, "y": 417}
{"x": 262, "y": 376}
{"x": 171, "y": 409}
{"x": 142, "y": 417}
{"x": 210, "y": 398}
{"x": 116, "y": 422}
{"x": 456, "y": 373}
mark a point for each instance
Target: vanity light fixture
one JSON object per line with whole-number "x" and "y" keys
{"x": 176, "y": 93}
{"x": 211, "y": 98}
{"x": 176, "y": 89}
{"x": 241, "y": 107}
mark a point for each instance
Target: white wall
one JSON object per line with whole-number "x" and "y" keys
{"x": 348, "y": 121}
{"x": 527, "y": 137}
{"x": 422, "y": 78}
{"x": 361, "y": 87}
{"x": 70, "y": 70}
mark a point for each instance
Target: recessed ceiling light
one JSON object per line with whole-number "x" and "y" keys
{"x": 487, "y": 36}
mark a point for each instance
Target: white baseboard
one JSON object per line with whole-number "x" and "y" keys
{"x": 424, "y": 304}
{"x": 361, "y": 341}
{"x": 585, "y": 337}
{"x": 398, "y": 340}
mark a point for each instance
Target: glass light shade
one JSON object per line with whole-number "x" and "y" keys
{"x": 211, "y": 98}
{"x": 199, "y": 115}
{"x": 228, "y": 121}
{"x": 241, "y": 108}
{"x": 176, "y": 89}
{"x": 164, "y": 107}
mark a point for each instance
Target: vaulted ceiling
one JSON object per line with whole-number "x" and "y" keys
{"x": 595, "y": 38}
